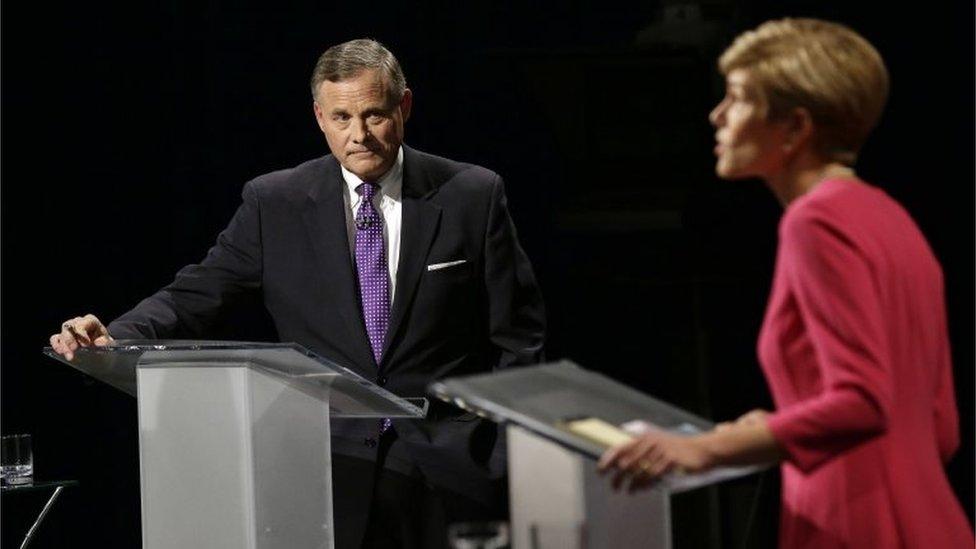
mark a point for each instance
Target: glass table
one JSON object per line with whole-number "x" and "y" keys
{"x": 38, "y": 486}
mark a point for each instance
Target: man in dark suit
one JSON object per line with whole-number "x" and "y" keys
{"x": 402, "y": 266}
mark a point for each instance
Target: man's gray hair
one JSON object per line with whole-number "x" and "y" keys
{"x": 350, "y": 58}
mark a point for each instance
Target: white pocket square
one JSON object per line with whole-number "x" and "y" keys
{"x": 446, "y": 264}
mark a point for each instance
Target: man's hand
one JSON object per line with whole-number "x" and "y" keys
{"x": 83, "y": 331}
{"x": 652, "y": 455}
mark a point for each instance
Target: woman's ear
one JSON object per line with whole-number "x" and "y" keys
{"x": 798, "y": 125}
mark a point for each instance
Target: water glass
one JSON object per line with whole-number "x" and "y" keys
{"x": 16, "y": 459}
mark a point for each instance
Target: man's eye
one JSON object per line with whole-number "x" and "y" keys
{"x": 375, "y": 118}
{"x": 340, "y": 117}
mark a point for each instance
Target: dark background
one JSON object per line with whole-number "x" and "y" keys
{"x": 128, "y": 131}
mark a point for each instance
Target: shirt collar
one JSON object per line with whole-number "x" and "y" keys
{"x": 391, "y": 183}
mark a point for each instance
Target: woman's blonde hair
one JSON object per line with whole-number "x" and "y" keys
{"x": 824, "y": 67}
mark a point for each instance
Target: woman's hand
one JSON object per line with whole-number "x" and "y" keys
{"x": 651, "y": 456}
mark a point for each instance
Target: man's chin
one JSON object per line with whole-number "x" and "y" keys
{"x": 366, "y": 169}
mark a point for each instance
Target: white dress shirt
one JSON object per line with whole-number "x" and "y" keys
{"x": 387, "y": 202}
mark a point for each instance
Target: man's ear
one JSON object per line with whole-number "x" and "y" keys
{"x": 406, "y": 103}
{"x": 319, "y": 115}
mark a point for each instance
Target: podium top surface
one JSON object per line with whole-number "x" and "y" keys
{"x": 348, "y": 393}
{"x": 541, "y": 398}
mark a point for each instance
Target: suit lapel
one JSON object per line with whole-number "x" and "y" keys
{"x": 325, "y": 221}
{"x": 420, "y": 219}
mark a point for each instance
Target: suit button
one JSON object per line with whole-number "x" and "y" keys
{"x": 381, "y": 381}
{"x": 371, "y": 442}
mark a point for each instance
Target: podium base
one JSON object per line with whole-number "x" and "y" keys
{"x": 559, "y": 501}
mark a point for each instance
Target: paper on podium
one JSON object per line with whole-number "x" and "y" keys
{"x": 598, "y": 431}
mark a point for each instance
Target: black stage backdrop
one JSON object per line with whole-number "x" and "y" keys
{"x": 129, "y": 130}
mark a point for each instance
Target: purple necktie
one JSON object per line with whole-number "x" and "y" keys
{"x": 374, "y": 278}
{"x": 374, "y": 282}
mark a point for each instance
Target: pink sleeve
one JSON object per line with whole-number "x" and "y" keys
{"x": 839, "y": 303}
{"x": 946, "y": 415}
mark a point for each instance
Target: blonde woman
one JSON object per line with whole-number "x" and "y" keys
{"x": 854, "y": 344}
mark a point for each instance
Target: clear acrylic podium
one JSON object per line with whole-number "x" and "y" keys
{"x": 558, "y": 500}
{"x": 234, "y": 441}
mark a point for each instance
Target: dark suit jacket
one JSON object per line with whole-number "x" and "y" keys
{"x": 289, "y": 241}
